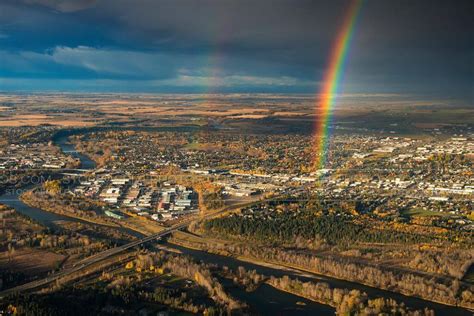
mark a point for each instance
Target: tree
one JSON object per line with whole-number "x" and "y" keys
{"x": 11, "y": 252}
{"x": 53, "y": 187}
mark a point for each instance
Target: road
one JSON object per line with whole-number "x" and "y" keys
{"x": 95, "y": 259}
{"x": 116, "y": 250}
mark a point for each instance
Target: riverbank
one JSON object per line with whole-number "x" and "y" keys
{"x": 180, "y": 241}
{"x": 198, "y": 243}
{"x": 29, "y": 198}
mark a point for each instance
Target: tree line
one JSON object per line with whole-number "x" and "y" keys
{"x": 285, "y": 227}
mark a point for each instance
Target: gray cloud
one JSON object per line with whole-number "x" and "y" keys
{"x": 64, "y": 5}
{"x": 411, "y": 44}
{"x": 171, "y": 69}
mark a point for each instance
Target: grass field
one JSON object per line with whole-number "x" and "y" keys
{"x": 422, "y": 212}
{"x": 30, "y": 261}
{"x": 276, "y": 112}
{"x": 193, "y": 146}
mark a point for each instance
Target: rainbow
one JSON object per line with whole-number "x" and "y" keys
{"x": 331, "y": 82}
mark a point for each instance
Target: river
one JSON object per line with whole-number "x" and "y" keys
{"x": 266, "y": 299}
{"x": 68, "y": 148}
{"x": 234, "y": 263}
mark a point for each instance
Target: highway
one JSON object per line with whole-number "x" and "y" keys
{"x": 100, "y": 257}
{"x": 116, "y": 250}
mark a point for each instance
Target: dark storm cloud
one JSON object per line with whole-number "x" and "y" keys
{"x": 396, "y": 44}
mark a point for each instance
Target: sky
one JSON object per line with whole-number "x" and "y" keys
{"x": 422, "y": 47}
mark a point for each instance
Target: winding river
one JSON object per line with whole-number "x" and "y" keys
{"x": 48, "y": 219}
{"x": 234, "y": 263}
{"x": 266, "y": 299}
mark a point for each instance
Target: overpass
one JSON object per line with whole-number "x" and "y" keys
{"x": 92, "y": 260}
{"x": 116, "y": 250}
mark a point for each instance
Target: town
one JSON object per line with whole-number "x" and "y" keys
{"x": 402, "y": 199}
{"x": 236, "y": 157}
{"x": 137, "y": 199}
{"x": 388, "y": 174}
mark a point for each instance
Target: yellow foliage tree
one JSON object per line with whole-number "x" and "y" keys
{"x": 53, "y": 187}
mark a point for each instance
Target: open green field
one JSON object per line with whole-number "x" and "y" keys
{"x": 422, "y": 212}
